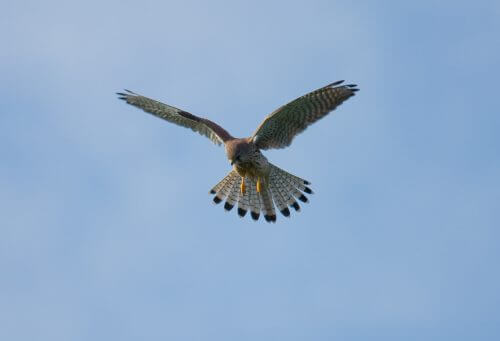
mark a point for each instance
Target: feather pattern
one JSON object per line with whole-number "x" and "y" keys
{"x": 233, "y": 195}
{"x": 203, "y": 126}
{"x": 255, "y": 203}
{"x": 244, "y": 200}
{"x": 279, "y": 186}
{"x": 267, "y": 204}
{"x": 278, "y": 198}
{"x": 281, "y": 126}
{"x": 222, "y": 189}
{"x": 282, "y": 190}
{"x": 291, "y": 185}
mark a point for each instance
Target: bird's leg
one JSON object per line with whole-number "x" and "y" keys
{"x": 259, "y": 186}
{"x": 242, "y": 186}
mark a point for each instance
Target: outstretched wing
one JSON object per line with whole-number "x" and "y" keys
{"x": 180, "y": 117}
{"x": 280, "y": 127}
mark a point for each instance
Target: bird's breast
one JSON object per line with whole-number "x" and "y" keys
{"x": 256, "y": 166}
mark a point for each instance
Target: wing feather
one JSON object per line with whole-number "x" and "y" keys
{"x": 281, "y": 126}
{"x": 203, "y": 126}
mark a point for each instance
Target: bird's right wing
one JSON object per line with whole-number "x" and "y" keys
{"x": 205, "y": 127}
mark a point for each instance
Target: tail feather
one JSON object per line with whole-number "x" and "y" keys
{"x": 244, "y": 200}
{"x": 223, "y": 188}
{"x": 286, "y": 189}
{"x": 267, "y": 204}
{"x": 294, "y": 184}
{"x": 299, "y": 182}
{"x": 282, "y": 189}
{"x": 233, "y": 195}
{"x": 221, "y": 184}
{"x": 279, "y": 196}
{"x": 255, "y": 202}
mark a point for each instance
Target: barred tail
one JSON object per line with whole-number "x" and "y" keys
{"x": 281, "y": 190}
{"x": 287, "y": 187}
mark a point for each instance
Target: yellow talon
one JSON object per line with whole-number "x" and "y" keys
{"x": 242, "y": 186}
{"x": 258, "y": 185}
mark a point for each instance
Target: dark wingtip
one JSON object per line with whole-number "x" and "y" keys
{"x": 285, "y": 212}
{"x": 241, "y": 212}
{"x": 296, "y": 206}
{"x": 228, "y": 206}
{"x": 212, "y": 191}
{"x": 303, "y": 198}
{"x": 217, "y": 200}
{"x": 335, "y": 83}
{"x": 308, "y": 190}
{"x": 255, "y": 216}
{"x": 306, "y": 182}
{"x": 352, "y": 87}
{"x": 122, "y": 96}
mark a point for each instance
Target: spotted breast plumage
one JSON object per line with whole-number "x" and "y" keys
{"x": 254, "y": 184}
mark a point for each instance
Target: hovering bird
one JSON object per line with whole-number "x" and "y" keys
{"x": 254, "y": 183}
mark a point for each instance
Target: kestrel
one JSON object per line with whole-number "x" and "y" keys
{"x": 254, "y": 183}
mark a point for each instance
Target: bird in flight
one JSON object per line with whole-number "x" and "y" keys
{"x": 255, "y": 184}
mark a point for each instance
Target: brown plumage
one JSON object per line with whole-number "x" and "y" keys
{"x": 254, "y": 184}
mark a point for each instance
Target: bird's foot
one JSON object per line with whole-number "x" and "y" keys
{"x": 259, "y": 186}
{"x": 242, "y": 186}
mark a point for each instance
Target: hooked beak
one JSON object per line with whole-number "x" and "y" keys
{"x": 232, "y": 162}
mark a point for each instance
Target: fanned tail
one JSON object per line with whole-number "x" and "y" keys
{"x": 282, "y": 190}
{"x": 222, "y": 189}
{"x": 286, "y": 188}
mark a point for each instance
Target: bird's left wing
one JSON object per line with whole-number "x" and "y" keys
{"x": 203, "y": 126}
{"x": 280, "y": 127}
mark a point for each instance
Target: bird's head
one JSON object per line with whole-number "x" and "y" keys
{"x": 237, "y": 152}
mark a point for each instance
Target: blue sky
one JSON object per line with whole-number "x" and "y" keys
{"x": 107, "y": 230}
